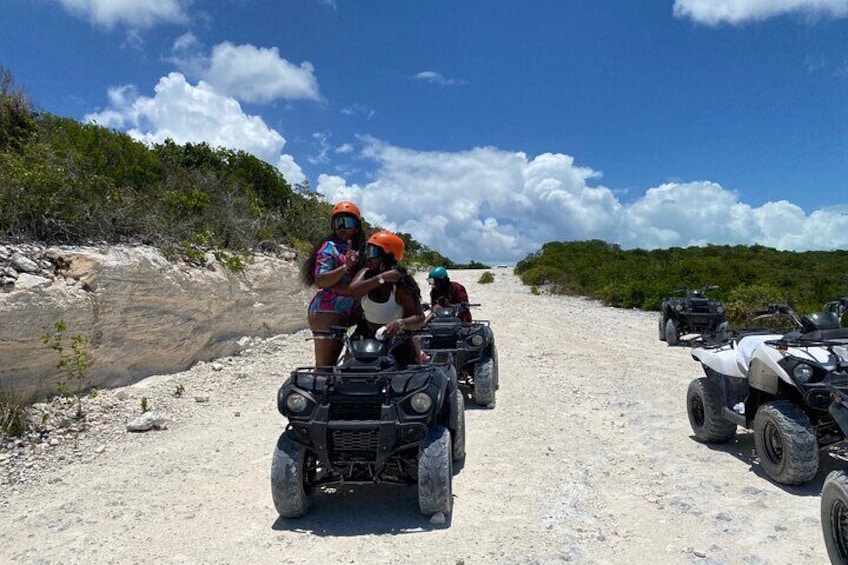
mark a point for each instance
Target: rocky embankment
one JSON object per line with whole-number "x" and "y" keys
{"x": 139, "y": 313}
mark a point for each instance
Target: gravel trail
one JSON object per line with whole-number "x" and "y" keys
{"x": 588, "y": 457}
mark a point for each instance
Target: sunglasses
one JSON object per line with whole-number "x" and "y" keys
{"x": 372, "y": 251}
{"x": 344, "y": 222}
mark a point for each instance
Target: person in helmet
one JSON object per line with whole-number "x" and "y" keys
{"x": 330, "y": 267}
{"x": 388, "y": 295}
{"x": 445, "y": 292}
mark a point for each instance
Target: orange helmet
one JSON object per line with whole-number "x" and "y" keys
{"x": 389, "y": 243}
{"x": 346, "y": 207}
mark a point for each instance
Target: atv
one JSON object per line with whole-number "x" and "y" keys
{"x": 693, "y": 313}
{"x": 470, "y": 347}
{"x": 368, "y": 421}
{"x": 834, "y": 496}
{"x": 777, "y": 384}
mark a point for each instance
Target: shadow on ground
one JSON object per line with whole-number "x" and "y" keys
{"x": 362, "y": 509}
{"x": 742, "y": 447}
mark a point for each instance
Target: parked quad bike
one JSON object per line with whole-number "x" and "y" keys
{"x": 469, "y": 346}
{"x": 693, "y": 313}
{"x": 368, "y": 421}
{"x": 834, "y": 495}
{"x": 777, "y": 384}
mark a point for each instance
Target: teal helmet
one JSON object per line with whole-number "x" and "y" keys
{"x": 437, "y": 273}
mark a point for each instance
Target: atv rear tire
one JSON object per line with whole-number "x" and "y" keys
{"x": 671, "y": 335}
{"x": 288, "y": 477}
{"x": 435, "y": 472}
{"x": 703, "y": 405}
{"x": 484, "y": 382}
{"x": 834, "y": 516}
{"x": 458, "y": 425}
{"x": 786, "y": 442}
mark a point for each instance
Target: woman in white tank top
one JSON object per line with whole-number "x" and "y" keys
{"x": 389, "y": 296}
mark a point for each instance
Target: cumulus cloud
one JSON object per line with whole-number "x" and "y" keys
{"x": 485, "y": 203}
{"x": 245, "y": 72}
{"x": 133, "y": 14}
{"x": 256, "y": 74}
{"x": 494, "y": 206}
{"x": 194, "y": 113}
{"x": 714, "y": 12}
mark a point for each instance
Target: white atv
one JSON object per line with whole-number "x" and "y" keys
{"x": 780, "y": 385}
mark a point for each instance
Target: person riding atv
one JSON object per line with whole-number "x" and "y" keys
{"x": 445, "y": 292}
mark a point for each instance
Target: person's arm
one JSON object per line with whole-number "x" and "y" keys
{"x": 460, "y": 294}
{"x": 363, "y": 284}
{"x": 331, "y": 272}
{"x": 413, "y": 316}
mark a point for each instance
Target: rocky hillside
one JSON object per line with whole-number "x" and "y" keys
{"x": 138, "y": 313}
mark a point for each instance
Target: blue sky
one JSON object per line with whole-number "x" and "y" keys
{"x": 488, "y": 127}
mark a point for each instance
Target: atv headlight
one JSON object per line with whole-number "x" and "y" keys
{"x": 802, "y": 372}
{"x": 476, "y": 340}
{"x": 296, "y": 403}
{"x": 421, "y": 402}
{"x": 678, "y": 307}
{"x": 720, "y": 309}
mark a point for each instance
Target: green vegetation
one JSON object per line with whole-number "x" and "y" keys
{"x": 486, "y": 278}
{"x": 64, "y": 182}
{"x": 74, "y": 363}
{"x": 748, "y": 277}
{"x": 14, "y": 413}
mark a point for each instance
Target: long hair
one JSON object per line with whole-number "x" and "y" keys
{"x": 406, "y": 280}
{"x": 307, "y": 269}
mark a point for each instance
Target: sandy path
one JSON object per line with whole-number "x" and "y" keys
{"x": 587, "y": 458}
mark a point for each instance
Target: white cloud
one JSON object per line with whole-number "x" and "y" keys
{"x": 493, "y": 206}
{"x": 135, "y": 14}
{"x": 714, "y": 12}
{"x": 194, "y": 113}
{"x": 256, "y": 74}
{"x": 245, "y": 72}
{"x": 437, "y": 78}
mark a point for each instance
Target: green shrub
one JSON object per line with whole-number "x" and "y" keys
{"x": 14, "y": 413}
{"x": 486, "y": 278}
{"x": 73, "y": 364}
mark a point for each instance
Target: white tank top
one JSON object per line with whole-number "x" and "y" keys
{"x": 381, "y": 312}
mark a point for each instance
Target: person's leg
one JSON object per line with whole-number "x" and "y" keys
{"x": 327, "y": 350}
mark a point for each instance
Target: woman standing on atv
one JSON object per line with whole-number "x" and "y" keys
{"x": 388, "y": 294}
{"x": 330, "y": 267}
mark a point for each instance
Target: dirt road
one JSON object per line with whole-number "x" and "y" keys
{"x": 587, "y": 458}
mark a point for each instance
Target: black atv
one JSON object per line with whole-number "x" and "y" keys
{"x": 693, "y": 313}
{"x": 469, "y": 346}
{"x": 367, "y": 421}
{"x": 834, "y": 495}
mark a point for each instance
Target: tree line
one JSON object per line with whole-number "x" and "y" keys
{"x": 748, "y": 277}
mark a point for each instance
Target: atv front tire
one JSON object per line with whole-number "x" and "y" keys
{"x": 288, "y": 476}
{"x": 834, "y": 516}
{"x": 662, "y": 328}
{"x": 786, "y": 442}
{"x": 484, "y": 382}
{"x": 435, "y": 472}
{"x": 671, "y": 335}
{"x": 703, "y": 405}
{"x": 458, "y": 425}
